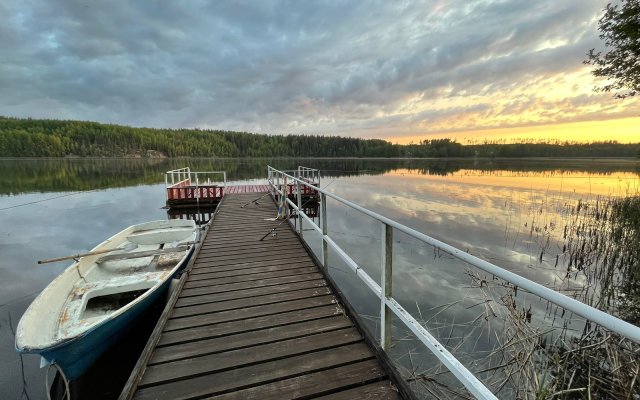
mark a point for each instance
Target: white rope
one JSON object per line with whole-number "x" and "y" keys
{"x": 67, "y": 390}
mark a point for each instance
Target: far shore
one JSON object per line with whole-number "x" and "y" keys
{"x": 631, "y": 160}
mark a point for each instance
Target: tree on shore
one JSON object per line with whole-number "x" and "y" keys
{"x": 620, "y": 30}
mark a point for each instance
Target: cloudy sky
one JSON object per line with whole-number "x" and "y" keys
{"x": 397, "y": 70}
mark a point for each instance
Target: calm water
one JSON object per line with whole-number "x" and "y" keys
{"x": 500, "y": 211}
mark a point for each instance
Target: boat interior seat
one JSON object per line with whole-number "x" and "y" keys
{"x": 116, "y": 286}
{"x": 160, "y": 236}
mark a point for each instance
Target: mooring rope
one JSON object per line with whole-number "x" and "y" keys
{"x": 47, "y": 199}
{"x": 67, "y": 390}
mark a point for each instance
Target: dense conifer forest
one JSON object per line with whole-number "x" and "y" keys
{"x": 56, "y": 138}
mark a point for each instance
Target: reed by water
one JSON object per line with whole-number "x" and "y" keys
{"x": 592, "y": 248}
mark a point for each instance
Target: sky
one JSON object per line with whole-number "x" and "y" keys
{"x": 396, "y": 70}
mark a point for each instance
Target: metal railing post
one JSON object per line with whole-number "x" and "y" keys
{"x": 386, "y": 286}
{"x": 325, "y": 231}
{"x": 197, "y": 186}
{"x": 285, "y": 193}
{"x": 299, "y": 208}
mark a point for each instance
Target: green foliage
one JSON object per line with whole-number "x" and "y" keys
{"x": 620, "y": 30}
{"x": 54, "y": 138}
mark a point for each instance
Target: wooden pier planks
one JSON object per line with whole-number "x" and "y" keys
{"x": 257, "y": 319}
{"x": 237, "y": 189}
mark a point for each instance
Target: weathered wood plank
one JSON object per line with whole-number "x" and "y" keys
{"x": 383, "y": 390}
{"x": 282, "y": 232}
{"x": 258, "y": 256}
{"x": 248, "y": 278}
{"x": 270, "y": 298}
{"x": 255, "y": 246}
{"x": 250, "y": 324}
{"x": 226, "y": 381}
{"x": 210, "y": 264}
{"x": 207, "y": 364}
{"x": 236, "y": 233}
{"x": 254, "y": 249}
{"x": 313, "y": 384}
{"x": 248, "y": 312}
{"x": 246, "y": 339}
{"x": 248, "y": 293}
{"x": 268, "y": 242}
{"x": 246, "y": 285}
{"x": 246, "y": 271}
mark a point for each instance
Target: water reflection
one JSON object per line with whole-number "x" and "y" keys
{"x": 55, "y": 175}
{"x": 502, "y": 211}
{"x": 515, "y": 222}
{"x": 59, "y": 227}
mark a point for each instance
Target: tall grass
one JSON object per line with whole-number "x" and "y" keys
{"x": 600, "y": 247}
{"x": 595, "y": 245}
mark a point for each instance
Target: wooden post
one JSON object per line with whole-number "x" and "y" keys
{"x": 325, "y": 230}
{"x": 386, "y": 285}
{"x": 166, "y": 186}
{"x": 299, "y": 207}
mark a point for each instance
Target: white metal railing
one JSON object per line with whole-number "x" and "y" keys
{"x": 194, "y": 179}
{"x": 176, "y": 176}
{"x": 388, "y": 305}
{"x": 309, "y": 175}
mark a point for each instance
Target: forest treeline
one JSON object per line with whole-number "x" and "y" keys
{"x": 20, "y": 137}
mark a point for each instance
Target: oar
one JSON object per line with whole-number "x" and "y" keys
{"x": 142, "y": 254}
{"x": 76, "y": 256}
{"x": 130, "y": 246}
{"x": 91, "y": 253}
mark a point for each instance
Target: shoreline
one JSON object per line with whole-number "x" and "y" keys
{"x": 554, "y": 159}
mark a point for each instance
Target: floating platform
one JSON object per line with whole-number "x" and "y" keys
{"x": 253, "y": 317}
{"x": 186, "y": 189}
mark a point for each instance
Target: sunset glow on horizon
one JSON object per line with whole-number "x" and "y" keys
{"x": 625, "y": 130}
{"x": 404, "y": 72}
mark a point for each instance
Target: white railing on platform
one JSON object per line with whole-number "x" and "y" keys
{"x": 309, "y": 175}
{"x": 388, "y": 305}
{"x": 176, "y": 176}
{"x": 194, "y": 179}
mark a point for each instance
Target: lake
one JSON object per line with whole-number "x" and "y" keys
{"x": 513, "y": 213}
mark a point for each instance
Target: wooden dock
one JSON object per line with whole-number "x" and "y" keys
{"x": 256, "y": 319}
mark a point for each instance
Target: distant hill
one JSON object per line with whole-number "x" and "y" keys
{"x": 28, "y": 137}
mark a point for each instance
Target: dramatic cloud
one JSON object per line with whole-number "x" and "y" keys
{"x": 390, "y": 69}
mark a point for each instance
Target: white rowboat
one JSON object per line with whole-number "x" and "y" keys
{"x": 88, "y": 306}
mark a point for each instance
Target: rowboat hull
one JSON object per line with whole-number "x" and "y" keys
{"x": 78, "y": 354}
{"x": 89, "y": 306}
